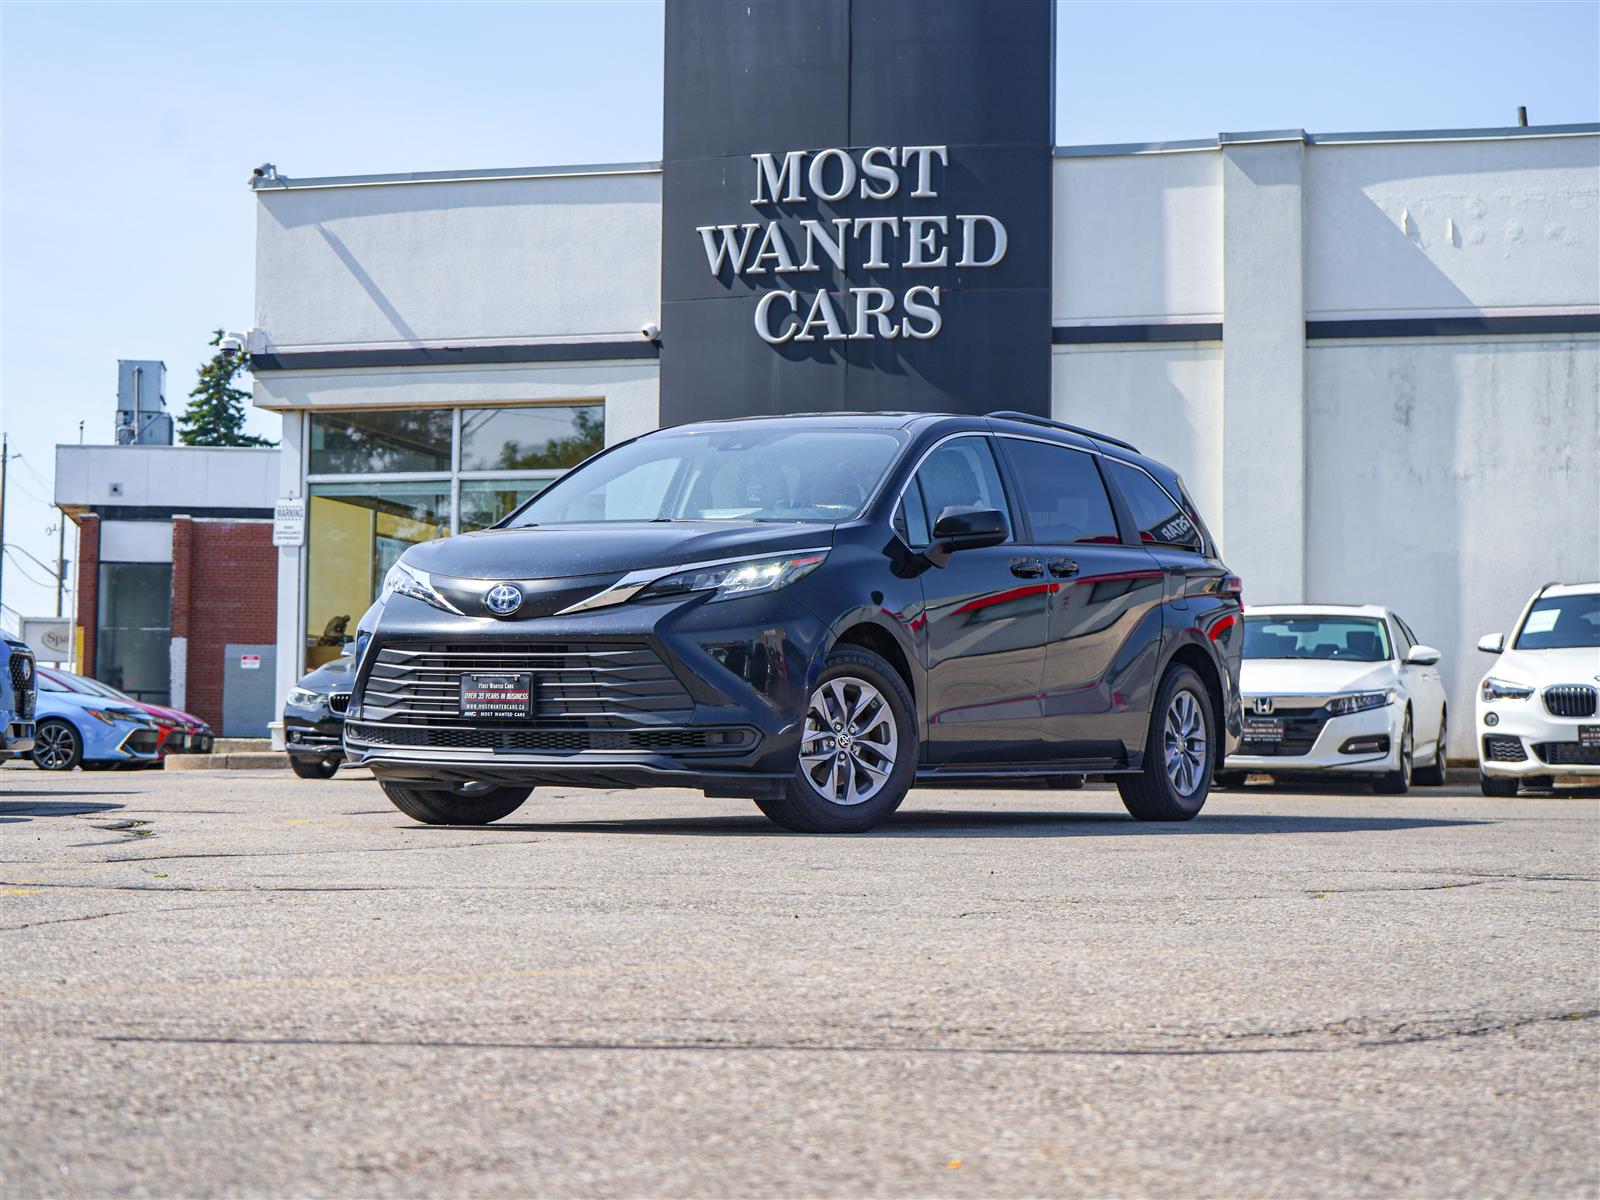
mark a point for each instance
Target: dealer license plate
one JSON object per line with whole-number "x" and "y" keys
{"x": 1589, "y": 735}
{"x": 504, "y": 696}
{"x": 1263, "y": 729}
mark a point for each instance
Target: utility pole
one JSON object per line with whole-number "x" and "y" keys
{"x": 61, "y": 561}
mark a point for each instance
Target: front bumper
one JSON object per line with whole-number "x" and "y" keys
{"x": 702, "y": 695}
{"x": 311, "y": 733}
{"x": 1527, "y": 740}
{"x": 1364, "y": 743}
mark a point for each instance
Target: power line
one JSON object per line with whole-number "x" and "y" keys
{"x": 36, "y": 558}
{"x": 30, "y": 578}
{"x": 28, "y": 466}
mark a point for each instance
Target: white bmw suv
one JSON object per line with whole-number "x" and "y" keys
{"x": 1537, "y": 705}
{"x": 1340, "y": 689}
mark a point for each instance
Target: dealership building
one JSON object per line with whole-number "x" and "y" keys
{"x": 1374, "y": 356}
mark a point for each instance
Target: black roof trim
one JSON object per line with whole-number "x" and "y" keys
{"x": 1030, "y": 419}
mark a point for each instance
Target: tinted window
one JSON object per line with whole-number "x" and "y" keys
{"x": 960, "y": 474}
{"x": 1161, "y": 522}
{"x": 1562, "y": 623}
{"x": 1063, "y": 494}
{"x": 1355, "y": 639}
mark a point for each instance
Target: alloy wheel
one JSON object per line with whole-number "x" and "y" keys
{"x": 849, "y": 741}
{"x": 56, "y": 747}
{"x": 1185, "y": 744}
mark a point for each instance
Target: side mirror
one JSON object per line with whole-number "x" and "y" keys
{"x": 959, "y": 527}
{"x": 1423, "y": 656}
{"x": 1492, "y": 643}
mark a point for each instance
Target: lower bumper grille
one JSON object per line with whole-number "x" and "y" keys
{"x": 554, "y": 741}
{"x": 1300, "y": 734}
{"x": 1500, "y": 747}
{"x": 1567, "y": 754}
{"x": 142, "y": 741}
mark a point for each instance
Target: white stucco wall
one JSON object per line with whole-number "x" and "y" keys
{"x": 1449, "y": 478}
{"x": 173, "y": 477}
{"x": 471, "y": 261}
{"x": 1138, "y": 238}
{"x": 1446, "y": 228}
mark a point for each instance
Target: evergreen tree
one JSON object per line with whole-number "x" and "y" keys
{"x": 215, "y": 415}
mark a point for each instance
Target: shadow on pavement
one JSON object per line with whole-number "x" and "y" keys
{"x": 951, "y": 823}
{"x": 14, "y": 810}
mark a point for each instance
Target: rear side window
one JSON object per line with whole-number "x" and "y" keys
{"x": 1063, "y": 494}
{"x": 959, "y": 474}
{"x": 1160, "y": 520}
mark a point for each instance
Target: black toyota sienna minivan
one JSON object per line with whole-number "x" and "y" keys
{"x": 816, "y": 612}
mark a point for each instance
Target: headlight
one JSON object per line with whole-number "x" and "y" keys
{"x": 735, "y": 579}
{"x": 1343, "y": 706}
{"x": 1501, "y": 689}
{"x": 408, "y": 581}
{"x": 112, "y": 715}
{"x": 305, "y": 698}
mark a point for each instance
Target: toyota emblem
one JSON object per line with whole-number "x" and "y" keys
{"x": 503, "y": 599}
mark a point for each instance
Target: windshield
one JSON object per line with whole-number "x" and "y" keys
{"x": 1562, "y": 623}
{"x": 84, "y": 686}
{"x": 1336, "y": 639}
{"x": 750, "y": 474}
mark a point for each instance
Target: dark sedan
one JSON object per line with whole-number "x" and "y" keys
{"x": 313, "y": 719}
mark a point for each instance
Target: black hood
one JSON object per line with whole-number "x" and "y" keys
{"x": 332, "y": 676}
{"x": 557, "y": 566}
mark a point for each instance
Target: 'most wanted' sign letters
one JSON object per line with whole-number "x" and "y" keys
{"x": 875, "y": 243}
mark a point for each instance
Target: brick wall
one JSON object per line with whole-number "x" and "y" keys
{"x": 88, "y": 586}
{"x": 224, "y": 589}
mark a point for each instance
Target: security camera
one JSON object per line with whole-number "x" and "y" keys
{"x": 265, "y": 171}
{"x": 230, "y": 344}
{"x": 650, "y": 332}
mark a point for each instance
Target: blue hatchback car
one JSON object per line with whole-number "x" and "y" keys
{"x": 73, "y": 730}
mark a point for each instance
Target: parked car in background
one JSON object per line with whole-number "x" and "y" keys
{"x": 76, "y": 729}
{"x": 813, "y": 612}
{"x": 1339, "y": 689}
{"x": 17, "y": 689}
{"x": 1537, "y": 705}
{"x": 181, "y": 732}
{"x": 313, "y": 718}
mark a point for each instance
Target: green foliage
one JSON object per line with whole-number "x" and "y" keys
{"x": 215, "y": 414}
{"x": 588, "y": 438}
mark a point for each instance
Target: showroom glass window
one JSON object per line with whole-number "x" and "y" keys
{"x": 133, "y": 632}
{"x": 381, "y": 480}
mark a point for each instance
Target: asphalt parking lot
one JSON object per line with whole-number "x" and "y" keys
{"x": 242, "y": 983}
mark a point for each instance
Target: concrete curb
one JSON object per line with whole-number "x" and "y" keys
{"x": 249, "y": 761}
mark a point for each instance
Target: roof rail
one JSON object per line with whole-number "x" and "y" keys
{"x": 1009, "y": 415}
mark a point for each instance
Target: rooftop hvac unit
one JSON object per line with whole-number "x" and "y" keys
{"x": 142, "y": 417}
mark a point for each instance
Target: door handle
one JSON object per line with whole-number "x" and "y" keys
{"x": 1063, "y": 568}
{"x": 1027, "y": 568}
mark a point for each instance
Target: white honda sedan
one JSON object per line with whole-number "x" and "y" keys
{"x": 1536, "y": 706}
{"x": 1338, "y": 689}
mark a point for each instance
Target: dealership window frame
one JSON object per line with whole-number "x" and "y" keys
{"x": 452, "y": 478}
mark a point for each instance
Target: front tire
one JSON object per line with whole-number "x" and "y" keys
{"x": 463, "y": 804}
{"x": 858, "y": 749}
{"x": 1398, "y": 781}
{"x": 1496, "y": 785}
{"x": 313, "y": 768}
{"x": 1433, "y": 774}
{"x": 56, "y": 746}
{"x": 1177, "y": 753}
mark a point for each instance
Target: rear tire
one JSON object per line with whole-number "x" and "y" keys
{"x": 1432, "y": 775}
{"x": 463, "y": 804}
{"x": 1496, "y": 785}
{"x": 313, "y": 768}
{"x": 1398, "y": 781}
{"x": 1178, "y": 752}
{"x": 858, "y": 734}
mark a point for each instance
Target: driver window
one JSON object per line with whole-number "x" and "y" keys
{"x": 960, "y": 473}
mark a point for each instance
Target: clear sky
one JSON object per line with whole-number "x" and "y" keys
{"x": 130, "y": 129}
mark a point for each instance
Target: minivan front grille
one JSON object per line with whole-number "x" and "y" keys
{"x": 1570, "y": 700}
{"x": 23, "y": 679}
{"x": 590, "y": 684}
{"x": 553, "y": 741}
